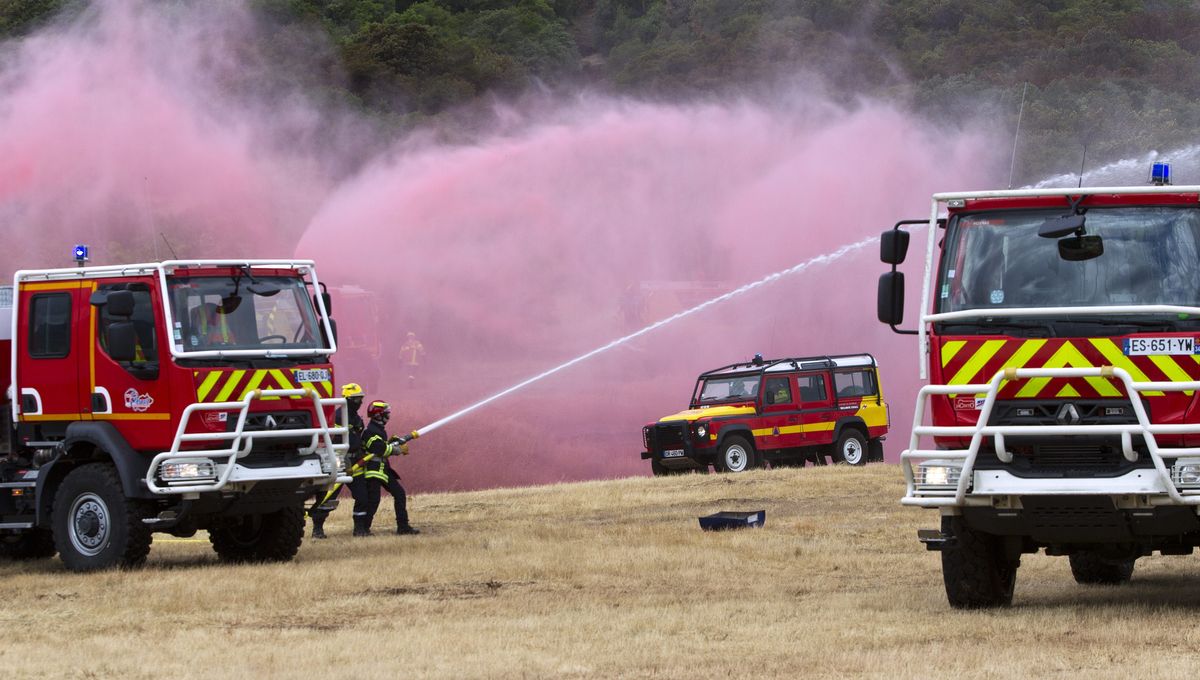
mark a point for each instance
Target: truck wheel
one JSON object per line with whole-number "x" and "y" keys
{"x": 736, "y": 455}
{"x": 274, "y": 537}
{"x": 851, "y": 448}
{"x": 661, "y": 470}
{"x": 95, "y": 525}
{"x": 1092, "y": 569}
{"x": 34, "y": 544}
{"x": 975, "y": 569}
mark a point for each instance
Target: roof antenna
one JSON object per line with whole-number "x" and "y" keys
{"x": 164, "y": 238}
{"x": 1017, "y": 135}
{"x": 1082, "y": 161}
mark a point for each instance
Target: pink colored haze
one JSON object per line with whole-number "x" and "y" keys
{"x": 515, "y": 254}
{"x": 580, "y": 223}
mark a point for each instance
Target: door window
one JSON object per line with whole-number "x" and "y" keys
{"x": 146, "y": 348}
{"x": 812, "y": 388}
{"x": 777, "y": 391}
{"x": 50, "y": 325}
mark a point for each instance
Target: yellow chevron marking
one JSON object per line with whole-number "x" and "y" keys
{"x": 210, "y": 381}
{"x": 234, "y": 378}
{"x": 1068, "y": 391}
{"x": 968, "y": 372}
{"x": 328, "y": 391}
{"x": 1118, "y": 359}
{"x": 950, "y": 349}
{"x": 255, "y": 381}
{"x": 1172, "y": 370}
{"x": 284, "y": 382}
{"x": 1068, "y": 356}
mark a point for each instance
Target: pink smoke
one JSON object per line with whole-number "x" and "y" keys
{"x": 580, "y": 222}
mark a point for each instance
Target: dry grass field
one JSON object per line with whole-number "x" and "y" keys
{"x": 600, "y": 579}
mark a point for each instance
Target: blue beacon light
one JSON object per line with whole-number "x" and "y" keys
{"x": 81, "y": 254}
{"x": 1160, "y": 174}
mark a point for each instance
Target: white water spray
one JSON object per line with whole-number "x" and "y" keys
{"x": 771, "y": 278}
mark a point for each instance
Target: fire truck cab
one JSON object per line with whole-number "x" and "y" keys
{"x": 172, "y": 396}
{"x": 786, "y": 411}
{"x": 1059, "y": 335}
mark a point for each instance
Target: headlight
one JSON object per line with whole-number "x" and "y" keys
{"x": 1186, "y": 473}
{"x": 646, "y": 438}
{"x": 188, "y": 470}
{"x": 701, "y": 431}
{"x": 938, "y": 474}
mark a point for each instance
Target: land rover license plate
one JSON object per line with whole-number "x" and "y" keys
{"x": 1135, "y": 347}
{"x": 673, "y": 453}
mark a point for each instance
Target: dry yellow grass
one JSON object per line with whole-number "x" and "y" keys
{"x": 600, "y": 579}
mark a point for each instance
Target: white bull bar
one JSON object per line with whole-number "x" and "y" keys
{"x": 240, "y": 443}
{"x": 1143, "y": 426}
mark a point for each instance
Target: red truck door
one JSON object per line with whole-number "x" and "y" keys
{"x": 816, "y": 409}
{"x": 780, "y": 413}
{"x": 49, "y": 344}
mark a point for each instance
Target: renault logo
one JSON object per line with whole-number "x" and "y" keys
{"x": 270, "y": 424}
{"x": 1067, "y": 415}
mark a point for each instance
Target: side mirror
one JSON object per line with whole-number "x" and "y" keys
{"x": 891, "y": 298}
{"x": 893, "y": 246}
{"x": 327, "y": 299}
{"x": 121, "y": 340}
{"x": 332, "y": 325}
{"x": 1081, "y": 248}
{"x": 120, "y": 303}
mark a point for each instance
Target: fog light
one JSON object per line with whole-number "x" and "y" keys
{"x": 701, "y": 431}
{"x": 937, "y": 475}
{"x": 1186, "y": 473}
{"x": 188, "y": 470}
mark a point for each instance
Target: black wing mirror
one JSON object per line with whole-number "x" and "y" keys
{"x": 893, "y": 246}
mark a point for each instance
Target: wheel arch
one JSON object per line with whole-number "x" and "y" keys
{"x": 91, "y": 442}
{"x": 854, "y": 423}
{"x": 742, "y": 431}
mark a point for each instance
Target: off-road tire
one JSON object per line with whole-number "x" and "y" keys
{"x": 975, "y": 569}
{"x": 35, "y": 544}
{"x": 851, "y": 448}
{"x": 1088, "y": 568}
{"x": 95, "y": 525}
{"x": 736, "y": 455}
{"x": 274, "y": 537}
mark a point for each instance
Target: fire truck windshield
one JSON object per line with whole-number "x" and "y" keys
{"x": 239, "y": 313}
{"x": 996, "y": 260}
{"x": 732, "y": 388}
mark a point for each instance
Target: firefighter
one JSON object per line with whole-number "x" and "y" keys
{"x": 410, "y": 356}
{"x": 377, "y": 474}
{"x": 353, "y": 394}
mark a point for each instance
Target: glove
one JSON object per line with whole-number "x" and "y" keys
{"x": 398, "y": 446}
{"x": 404, "y": 449}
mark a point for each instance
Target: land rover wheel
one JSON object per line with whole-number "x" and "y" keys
{"x": 851, "y": 448}
{"x": 95, "y": 525}
{"x": 661, "y": 470}
{"x": 34, "y": 544}
{"x": 274, "y": 537}
{"x": 1091, "y": 569}
{"x": 975, "y": 569}
{"x": 736, "y": 455}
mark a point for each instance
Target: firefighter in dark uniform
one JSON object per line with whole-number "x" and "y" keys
{"x": 353, "y": 394}
{"x": 378, "y": 475}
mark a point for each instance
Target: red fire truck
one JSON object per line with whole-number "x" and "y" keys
{"x": 1059, "y": 337}
{"x": 173, "y": 397}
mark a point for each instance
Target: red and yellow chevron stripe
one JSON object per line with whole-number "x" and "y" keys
{"x": 975, "y": 360}
{"x": 233, "y": 385}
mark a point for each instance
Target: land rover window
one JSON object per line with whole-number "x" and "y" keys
{"x": 854, "y": 384}
{"x": 736, "y": 388}
{"x": 50, "y": 325}
{"x": 812, "y": 387}
{"x": 777, "y": 391}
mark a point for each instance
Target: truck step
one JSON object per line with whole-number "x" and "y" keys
{"x": 934, "y": 539}
{"x": 16, "y": 525}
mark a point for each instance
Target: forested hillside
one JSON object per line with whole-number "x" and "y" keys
{"x": 1115, "y": 75}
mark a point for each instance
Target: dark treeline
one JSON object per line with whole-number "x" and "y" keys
{"x": 1118, "y": 76}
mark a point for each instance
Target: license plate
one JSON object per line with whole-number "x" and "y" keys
{"x": 312, "y": 375}
{"x": 673, "y": 453}
{"x": 1135, "y": 347}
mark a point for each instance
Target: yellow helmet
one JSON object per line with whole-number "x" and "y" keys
{"x": 352, "y": 390}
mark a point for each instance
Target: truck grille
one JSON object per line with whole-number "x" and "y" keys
{"x": 273, "y": 422}
{"x": 1066, "y": 457}
{"x": 667, "y": 436}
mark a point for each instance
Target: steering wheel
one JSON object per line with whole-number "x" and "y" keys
{"x": 267, "y": 338}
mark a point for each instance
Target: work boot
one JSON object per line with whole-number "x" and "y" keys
{"x": 360, "y": 527}
{"x": 406, "y": 530}
{"x": 318, "y": 528}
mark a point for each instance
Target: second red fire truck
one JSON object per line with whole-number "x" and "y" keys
{"x": 1060, "y": 333}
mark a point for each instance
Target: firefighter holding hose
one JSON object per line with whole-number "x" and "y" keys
{"x": 353, "y": 393}
{"x": 372, "y": 473}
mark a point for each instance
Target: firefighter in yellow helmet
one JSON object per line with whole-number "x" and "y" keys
{"x": 376, "y": 474}
{"x": 325, "y": 501}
